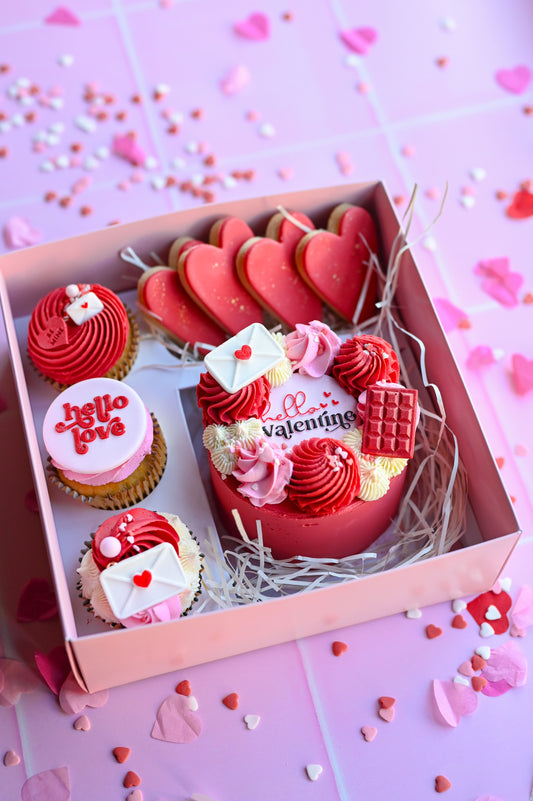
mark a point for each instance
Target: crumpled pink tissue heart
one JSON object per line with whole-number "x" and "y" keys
{"x": 37, "y": 601}
{"x": 506, "y": 668}
{"x": 521, "y": 373}
{"x": 255, "y": 27}
{"x": 522, "y": 611}
{"x": 454, "y": 700}
{"x": 499, "y": 282}
{"x": 54, "y": 667}
{"x": 50, "y": 785}
{"x": 515, "y": 80}
{"x": 176, "y": 722}
{"x": 450, "y": 316}
{"x": 128, "y": 148}
{"x": 73, "y": 700}
{"x": 360, "y": 40}
{"x": 481, "y": 356}
{"x": 19, "y": 233}
{"x": 18, "y": 678}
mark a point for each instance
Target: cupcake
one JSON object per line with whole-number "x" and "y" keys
{"x": 104, "y": 446}
{"x": 140, "y": 567}
{"x": 82, "y": 331}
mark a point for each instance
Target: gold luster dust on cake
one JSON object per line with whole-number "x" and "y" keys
{"x": 128, "y": 540}
{"x": 82, "y": 331}
{"x": 105, "y": 448}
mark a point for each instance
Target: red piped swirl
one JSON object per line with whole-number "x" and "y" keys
{"x": 222, "y": 408}
{"x": 363, "y": 361}
{"x": 146, "y": 529}
{"x": 325, "y": 476}
{"x": 89, "y": 350}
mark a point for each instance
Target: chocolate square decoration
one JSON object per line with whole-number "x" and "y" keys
{"x": 389, "y": 425}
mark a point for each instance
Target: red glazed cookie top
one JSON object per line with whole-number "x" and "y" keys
{"x": 325, "y": 476}
{"x": 221, "y": 407}
{"x": 68, "y": 352}
{"x": 365, "y": 360}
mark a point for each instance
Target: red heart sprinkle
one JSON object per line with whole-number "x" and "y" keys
{"x": 184, "y": 687}
{"x": 231, "y": 701}
{"x": 386, "y": 701}
{"x": 339, "y": 648}
{"x": 442, "y": 784}
{"x": 459, "y": 622}
{"x": 477, "y": 662}
{"x": 121, "y": 753}
{"x": 243, "y": 353}
{"x": 131, "y": 779}
{"x": 478, "y": 682}
{"x": 143, "y": 579}
{"x": 433, "y": 631}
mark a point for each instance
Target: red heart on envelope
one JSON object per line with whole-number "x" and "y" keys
{"x": 333, "y": 262}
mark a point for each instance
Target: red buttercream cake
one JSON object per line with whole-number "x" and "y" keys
{"x": 140, "y": 567}
{"x": 82, "y": 331}
{"x": 104, "y": 446}
{"x": 309, "y": 436}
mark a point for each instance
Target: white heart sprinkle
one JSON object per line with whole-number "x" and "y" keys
{"x": 468, "y": 202}
{"x": 5, "y": 126}
{"x": 17, "y": 120}
{"x": 66, "y": 60}
{"x": 449, "y": 24}
{"x": 84, "y": 123}
{"x": 267, "y": 130}
{"x": 252, "y": 721}
{"x": 413, "y": 614}
{"x": 191, "y": 147}
{"x": 57, "y": 103}
{"x": 47, "y": 166}
{"x": 102, "y": 152}
{"x": 493, "y": 613}
{"x": 150, "y": 163}
{"x": 478, "y": 174}
{"x": 193, "y": 703}
{"x": 313, "y": 771}
{"x": 63, "y": 162}
{"x": 461, "y": 680}
{"x": 229, "y": 182}
{"x": 352, "y": 60}
{"x": 178, "y": 163}
{"x": 458, "y": 605}
{"x": 483, "y": 651}
{"x": 486, "y": 630}
{"x": 158, "y": 182}
{"x": 52, "y": 139}
{"x": 505, "y": 583}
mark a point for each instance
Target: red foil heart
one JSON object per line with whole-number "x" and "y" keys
{"x": 143, "y": 579}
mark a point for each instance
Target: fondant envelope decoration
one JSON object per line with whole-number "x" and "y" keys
{"x": 84, "y": 307}
{"x": 240, "y": 360}
{"x": 143, "y": 580}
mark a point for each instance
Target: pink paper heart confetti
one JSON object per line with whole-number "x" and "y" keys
{"x": 359, "y": 40}
{"x": 128, "y": 148}
{"x": 50, "y": 785}
{"x": 37, "y": 601}
{"x": 176, "y": 722}
{"x": 256, "y": 27}
{"x": 62, "y": 16}
{"x": 515, "y": 80}
{"x": 54, "y": 667}
{"x": 521, "y": 373}
{"x": 73, "y": 700}
{"x": 18, "y": 679}
{"x": 454, "y": 700}
{"x": 19, "y": 233}
{"x": 506, "y": 663}
{"x": 522, "y": 611}
{"x": 499, "y": 282}
{"x": 481, "y": 356}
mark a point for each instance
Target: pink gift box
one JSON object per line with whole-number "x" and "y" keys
{"x": 101, "y": 657}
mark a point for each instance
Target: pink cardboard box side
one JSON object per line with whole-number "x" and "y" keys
{"x": 112, "y": 658}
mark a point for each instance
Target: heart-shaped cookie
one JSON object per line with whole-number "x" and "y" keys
{"x": 160, "y": 292}
{"x": 209, "y": 274}
{"x": 334, "y": 262}
{"x": 267, "y": 269}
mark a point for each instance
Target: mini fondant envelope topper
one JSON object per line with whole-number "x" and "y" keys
{"x": 143, "y": 580}
{"x": 245, "y": 357}
{"x": 84, "y": 303}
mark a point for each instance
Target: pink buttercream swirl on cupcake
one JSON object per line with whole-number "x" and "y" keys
{"x": 160, "y": 613}
{"x": 224, "y": 408}
{"x": 312, "y": 348}
{"x": 263, "y": 470}
{"x": 365, "y": 360}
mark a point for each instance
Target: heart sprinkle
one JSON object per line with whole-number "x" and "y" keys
{"x": 143, "y": 579}
{"x": 243, "y": 353}
{"x": 442, "y": 784}
{"x": 11, "y": 758}
{"x": 252, "y": 721}
{"x": 131, "y": 779}
{"x": 478, "y": 682}
{"x": 82, "y": 723}
{"x": 231, "y": 701}
{"x": 121, "y": 753}
{"x": 339, "y": 648}
{"x": 386, "y": 701}
{"x": 369, "y": 733}
{"x": 433, "y": 631}
{"x": 313, "y": 771}
{"x": 387, "y": 714}
{"x": 184, "y": 687}
{"x": 477, "y": 662}
{"x": 459, "y": 622}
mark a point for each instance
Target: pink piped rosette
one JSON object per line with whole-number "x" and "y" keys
{"x": 319, "y": 475}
